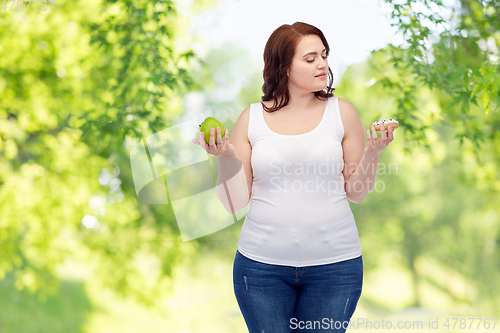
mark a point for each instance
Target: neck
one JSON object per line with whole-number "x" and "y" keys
{"x": 300, "y": 101}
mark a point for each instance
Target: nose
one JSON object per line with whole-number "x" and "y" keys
{"x": 323, "y": 64}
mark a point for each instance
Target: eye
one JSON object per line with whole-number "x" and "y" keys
{"x": 310, "y": 61}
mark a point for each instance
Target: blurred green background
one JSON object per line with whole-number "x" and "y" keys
{"x": 82, "y": 83}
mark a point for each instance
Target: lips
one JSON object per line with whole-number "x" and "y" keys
{"x": 322, "y": 74}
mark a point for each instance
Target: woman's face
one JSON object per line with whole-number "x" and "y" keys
{"x": 306, "y": 65}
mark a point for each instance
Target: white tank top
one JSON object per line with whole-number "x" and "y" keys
{"x": 298, "y": 214}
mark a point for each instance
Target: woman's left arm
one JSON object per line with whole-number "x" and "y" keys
{"x": 360, "y": 161}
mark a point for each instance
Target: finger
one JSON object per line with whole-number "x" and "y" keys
{"x": 383, "y": 134}
{"x": 219, "y": 138}
{"x": 202, "y": 139}
{"x": 369, "y": 137}
{"x": 212, "y": 138}
{"x": 391, "y": 133}
{"x": 195, "y": 141}
{"x": 374, "y": 132}
{"x": 226, "y": 137}
{"x": 204, "y": 142}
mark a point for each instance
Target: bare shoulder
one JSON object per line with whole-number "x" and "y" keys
{"x": 346, "y": 109}
{"x": 246, "y": 114}
{"x": 240, "y": 129}
{"x": 350, "y": 117}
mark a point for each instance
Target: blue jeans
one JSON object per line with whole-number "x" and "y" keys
{"x": 286, "y": 299}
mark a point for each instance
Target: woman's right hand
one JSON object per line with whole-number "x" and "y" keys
{"x": 224, "y": 149}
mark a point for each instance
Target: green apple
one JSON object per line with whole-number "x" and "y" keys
{"x": 207, "y": 125}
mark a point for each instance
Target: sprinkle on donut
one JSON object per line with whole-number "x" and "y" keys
{"x": 386, "y": 123}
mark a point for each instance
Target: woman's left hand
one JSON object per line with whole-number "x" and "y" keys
{"x": 376, "y": 145}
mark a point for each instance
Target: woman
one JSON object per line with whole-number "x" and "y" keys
{"x": 298, "y": 265}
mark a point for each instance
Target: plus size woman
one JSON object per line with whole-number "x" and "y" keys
{"x": 298, "y": 265}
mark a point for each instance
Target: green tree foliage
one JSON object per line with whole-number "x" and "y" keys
{"x": 440, "y": 202}
{"x": 421, "y": 215}
{"x": 79, "y": 85}
{"x": 462, "y": 64}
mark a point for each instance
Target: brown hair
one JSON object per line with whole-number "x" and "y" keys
{"x": 278, "y": 55}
